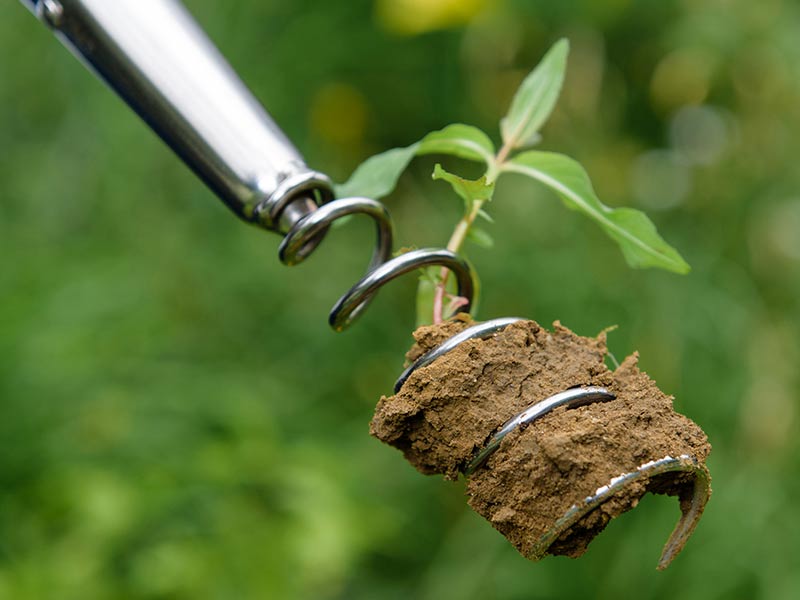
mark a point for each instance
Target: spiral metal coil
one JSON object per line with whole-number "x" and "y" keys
{"x": 691, "y": 507}
{"x": 304, "y": 236}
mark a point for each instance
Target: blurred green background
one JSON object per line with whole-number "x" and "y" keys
{"x": 179, "y": 422}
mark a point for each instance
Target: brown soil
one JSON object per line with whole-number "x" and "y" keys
{"x": 445, "y": 413}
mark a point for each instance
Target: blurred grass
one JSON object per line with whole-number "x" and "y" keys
{"x": 179, "y": 422}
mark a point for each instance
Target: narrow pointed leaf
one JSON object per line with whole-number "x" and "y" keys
{"x": 636, "y": 235}
{"x": 535, "y": 98}
{"x": 480, "y": 237}
{"x": 377, "y": 176}
{"x": 485, "y": 216}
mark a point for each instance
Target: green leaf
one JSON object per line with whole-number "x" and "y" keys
{"x": 464, "y": 141}
{"x": 469, "y": 190}
{"x": 485, "y": 216}
{"x": 480, "y": 237}
{"x": 631, "y": 229}
{"x": 477, "y": 293}
{"x": 535, "y": 98}
{"x": 377, "y": 176}
{"x": 426, "y": 290}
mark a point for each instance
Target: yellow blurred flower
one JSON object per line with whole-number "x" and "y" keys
{"x": 682, "y": 77}
{"x": 339, "y": 113}
{"x": 412, "y": 17}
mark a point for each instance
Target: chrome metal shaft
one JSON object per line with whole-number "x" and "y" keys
{"x": 159, "y": 61}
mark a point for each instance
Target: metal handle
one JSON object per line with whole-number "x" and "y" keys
{"x": 159, "y": 61}
{"x": 156, "y": 57}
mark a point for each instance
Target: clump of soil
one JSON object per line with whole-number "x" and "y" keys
{"x": 446, "y": 412}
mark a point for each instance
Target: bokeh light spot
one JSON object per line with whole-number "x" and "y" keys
{"x": 682, "y": 77}
{"x": 411, "y": 17}
{"x": 339, "y": 113}
{"x": 699, "y": 134}
{"x": 659, "y": 180}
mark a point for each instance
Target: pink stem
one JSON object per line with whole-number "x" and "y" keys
{"x": 438, "y": 298}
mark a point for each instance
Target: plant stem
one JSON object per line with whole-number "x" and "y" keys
{"x": 501, "y": 157}
{"x": 462, "y": 228}
{"x": 457, "y": 239}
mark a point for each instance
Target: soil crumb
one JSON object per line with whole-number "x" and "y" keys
{"x": 446, "y": 412}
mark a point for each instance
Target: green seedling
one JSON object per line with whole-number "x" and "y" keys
{"x": 531, "y": 106}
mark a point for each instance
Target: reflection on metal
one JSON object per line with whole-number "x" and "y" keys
{"x": 690, "y": 511}
{"x": 571, "y": 398}
{"x": 481, "y": 330}
{"x": 161, "y": 63}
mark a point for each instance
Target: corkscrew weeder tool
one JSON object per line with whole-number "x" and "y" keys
{"x": 691, "y": 506}
{"x": 159, "y": 61}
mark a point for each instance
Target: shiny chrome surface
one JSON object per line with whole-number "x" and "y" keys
{"x": 691, "y": 507}
{"x": 481, "y": 330}
{"x": 293, "y": 247}
{"x": 350, "y": 306}
{"x": 154, "y": 55}
{"x": 571, "y": 398}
